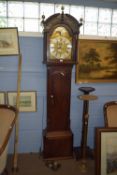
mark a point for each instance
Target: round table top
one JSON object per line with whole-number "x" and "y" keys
{"x": 88, "y": 97}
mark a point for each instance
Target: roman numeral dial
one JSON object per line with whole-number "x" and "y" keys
{"x": 60, "y": 44}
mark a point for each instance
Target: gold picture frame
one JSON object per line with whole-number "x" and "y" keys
{"x": 97, "y": 61}
{"x": 2, "y": 98}
{"x": 106, "y": 151}
{"x": 9, "y": 41}
{"x": 27, "y": 101}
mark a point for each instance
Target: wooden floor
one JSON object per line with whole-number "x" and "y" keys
{"x": 33, "y": 164}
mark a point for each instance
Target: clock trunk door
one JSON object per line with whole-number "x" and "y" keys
{"x": 58, "y": 101}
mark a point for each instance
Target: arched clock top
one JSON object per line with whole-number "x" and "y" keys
{"x": 61, "y": 33}
{"x": 62, "y": 19}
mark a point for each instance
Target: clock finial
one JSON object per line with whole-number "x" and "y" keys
{"x": 43, "y": 18}
{"x": 62, "y": 8}
{"x": 81, "y": 22}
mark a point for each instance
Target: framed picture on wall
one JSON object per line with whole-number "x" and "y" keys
{"x": 97, "y": 61}
{"x": 2, "y": 98}
{"x": 27, "y": 102}
{"x": 106, "y": 151}
{"x": 9, "y": 41}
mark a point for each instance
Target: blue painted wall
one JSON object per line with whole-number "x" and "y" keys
{"x": 31, "y": 124}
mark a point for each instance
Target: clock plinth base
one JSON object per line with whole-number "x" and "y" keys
{"x": 58, "y": 144}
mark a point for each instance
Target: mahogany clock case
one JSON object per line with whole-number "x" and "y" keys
{"x": 60, "y": 53}
{"x": 58, "y": 138}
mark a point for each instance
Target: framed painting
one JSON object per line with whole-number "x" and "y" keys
{"x": 2, "y": 98}
{"x": 27, "y": 102}
{"x": 9, "y": 41}
{"x": 106, "y": 151}
{"x": 97, "y": 61}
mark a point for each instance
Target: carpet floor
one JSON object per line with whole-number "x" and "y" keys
{"x": 33, "y": 164}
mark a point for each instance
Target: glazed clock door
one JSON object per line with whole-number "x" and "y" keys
{"x": 60, "y": 46}
{"x": 58, "y": 105}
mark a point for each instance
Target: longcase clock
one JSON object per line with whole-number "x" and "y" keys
{"x": 60, "y": 52}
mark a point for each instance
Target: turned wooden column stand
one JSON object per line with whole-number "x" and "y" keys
{"x": 84, "y": 150}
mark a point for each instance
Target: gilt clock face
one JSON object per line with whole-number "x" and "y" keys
{"x": 60, "y": 44}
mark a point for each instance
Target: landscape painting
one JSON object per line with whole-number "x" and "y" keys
{"x": 9, "y": 41}
{"x": 106, "y": 151}
{"x": 97, "y": 61}
{"x": 28, "y": 102}
{"x": 109, "y": 153}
